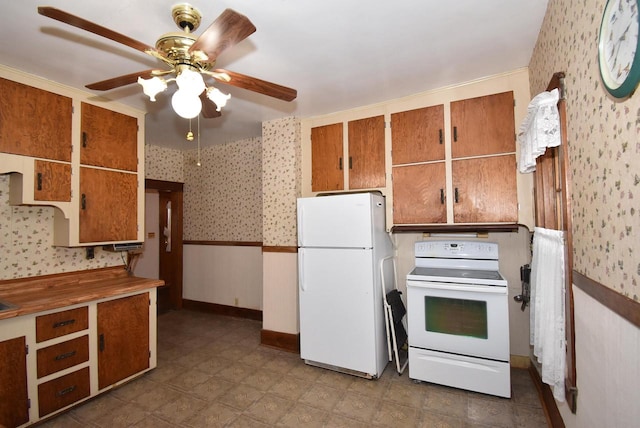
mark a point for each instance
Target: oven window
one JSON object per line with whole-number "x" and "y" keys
{"x": 456, "y": 316}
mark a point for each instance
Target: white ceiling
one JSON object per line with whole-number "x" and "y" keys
{"x": 338, "y": 54}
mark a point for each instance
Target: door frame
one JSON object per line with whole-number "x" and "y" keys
{"x": 171, "y": 274}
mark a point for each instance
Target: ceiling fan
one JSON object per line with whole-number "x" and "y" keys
{"x": 188, "y": 57}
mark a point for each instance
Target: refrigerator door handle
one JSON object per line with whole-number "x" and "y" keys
{"x": 301, "y": 270}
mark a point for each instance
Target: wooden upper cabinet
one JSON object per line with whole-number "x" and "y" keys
{"x": 108, "y": 206}
{"x": 483, "y": 125}
{"x": 366, "y": 153}
{"x": 34, "y": 122}
{"x": 485, "y": 190}
{"x": 419, "y": 194}
{"x": 109, "y": 139}
{"x": 123, "y": 338}
{"x": 326, "y": 158}
{"x": 418, "y": 135}
{"x": 52, "y": 181}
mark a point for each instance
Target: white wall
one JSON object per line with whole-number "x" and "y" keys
{"x": 148, "y": 264}
{"x": 281, "y": 302}
{"x": 607, "y": 365}
{"x": 221, "y": 274}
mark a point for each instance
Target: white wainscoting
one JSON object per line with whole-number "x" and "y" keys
{"x": 221, "y": 274}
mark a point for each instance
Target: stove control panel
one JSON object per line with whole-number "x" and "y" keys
{"x": 457, "y": 249}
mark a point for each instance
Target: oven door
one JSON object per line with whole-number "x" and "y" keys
{"x": 465, "y": 319}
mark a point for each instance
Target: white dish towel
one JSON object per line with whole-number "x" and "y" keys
{"x": 547, "y": 306}
{"x": 539, "y": 130}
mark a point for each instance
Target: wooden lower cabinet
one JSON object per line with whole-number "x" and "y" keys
{"x": 123, "y": 338}
{"x": 63, "y": 391}
{"x": 14, "y": 400}
{"x": 485, "y": 190}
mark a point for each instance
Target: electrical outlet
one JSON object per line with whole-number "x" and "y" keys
{"x": 236, "y": 301}
{"x": 90, "y": 253}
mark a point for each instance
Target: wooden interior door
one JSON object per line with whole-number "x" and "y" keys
{"x": 14, "y": 409}
{"x": 123, "y": 338}
{"x": 169, "y": 262}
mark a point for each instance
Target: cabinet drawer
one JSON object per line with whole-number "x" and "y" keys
{"x": 63, "y": 355}
{"x": 61, "y": 323}
{"x": 61, "y": 392}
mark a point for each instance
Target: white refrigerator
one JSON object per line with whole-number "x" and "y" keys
{"x": 342, "y": 242}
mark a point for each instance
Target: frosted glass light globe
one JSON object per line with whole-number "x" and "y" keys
{"x": 185, "y": 104}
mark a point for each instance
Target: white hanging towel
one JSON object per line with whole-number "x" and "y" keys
{"x": 539, "y": 130}
{"x": 547, "y": 306}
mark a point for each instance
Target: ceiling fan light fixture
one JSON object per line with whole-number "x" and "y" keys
{"x": 152, "y": 87}
{"x": 190, "y": 82}
{"x": 219, "y": 98}
{"x": 186, "y": 105}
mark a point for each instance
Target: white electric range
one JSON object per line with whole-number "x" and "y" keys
{"x": 458, "y": 317}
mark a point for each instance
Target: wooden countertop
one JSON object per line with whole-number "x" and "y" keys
{"x": 43, "y": 293}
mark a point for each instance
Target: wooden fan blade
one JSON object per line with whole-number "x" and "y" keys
{"x": 228, "y": 29}
{"x": 209, "y": 108}
{"x": 67, "y": 18}
{"x": 116, "y": 82}
{"x": 257, "y": 85}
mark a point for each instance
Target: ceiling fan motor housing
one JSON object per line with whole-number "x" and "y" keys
{"x": 186, "y": 16}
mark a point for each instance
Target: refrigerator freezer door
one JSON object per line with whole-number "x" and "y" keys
{"x": 338, "y": 324}
{"x": 345, "y": 221}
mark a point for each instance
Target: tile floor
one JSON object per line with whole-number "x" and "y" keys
{"x": 213, "y": 372}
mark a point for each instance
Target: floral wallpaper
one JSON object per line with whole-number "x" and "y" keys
{"x": 281, "y": 180}
{"x": 604, "y": 146}
{"x": 26, "y": 243}
{"x": 164, "y": 164}
{"x": 223, "y": 196}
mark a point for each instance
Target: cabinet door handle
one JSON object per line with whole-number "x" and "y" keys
{"x": 340, "y": 164}
{"x": 442, "y": 196}
{"x": 101, "y": 342}
{"x": 65, "y": 356}
{"x": 350, "y": 162}
{"x": 39, "y": 179}
{"x": 63, "y": 323}
{"x": 455, "y": 133}
{"x": 456, "y": 195}
{"x": 66, "y": 391}
{"x": 440, "y": 136}
{"x": 83, "y": 201}
{"x": 84, "y": 139}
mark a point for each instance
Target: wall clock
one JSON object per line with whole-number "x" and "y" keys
{"x": 618, "y": 53}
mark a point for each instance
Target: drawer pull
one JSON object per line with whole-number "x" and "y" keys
{"x": 66, "y": 391}
{"x": 63, "y": 323}
{"x": 64, "y": 356}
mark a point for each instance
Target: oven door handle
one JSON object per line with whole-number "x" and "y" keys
{"x": 473, "y": 288}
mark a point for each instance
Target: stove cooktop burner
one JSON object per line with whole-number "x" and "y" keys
{"x": 488, "y": 277}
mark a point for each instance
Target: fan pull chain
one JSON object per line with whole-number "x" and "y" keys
{"x": 189, "y": 134}
{"x": 198, "y": 162}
